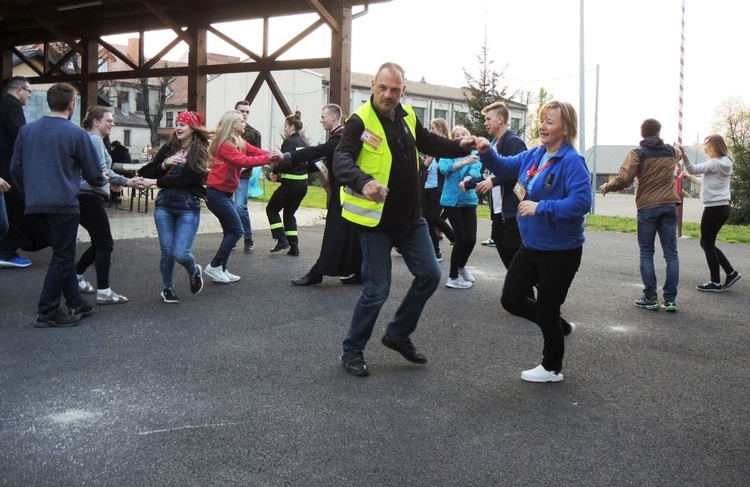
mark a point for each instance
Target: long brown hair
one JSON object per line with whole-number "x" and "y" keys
{"x": 197, "y": 151}
{"x": 717, "y": 145}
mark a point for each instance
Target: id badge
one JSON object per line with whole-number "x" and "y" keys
{"x": 371, "y": 139}
{"x": 519, "y": 190}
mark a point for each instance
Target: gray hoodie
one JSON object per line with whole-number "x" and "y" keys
{"x": 106, "y": 162}
{"x": 715, "y": 181}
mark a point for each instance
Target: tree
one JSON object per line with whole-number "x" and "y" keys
{"x": 733, "y": 123}
{"x": 533, "y": 119}
{"x": 483, "y": 90}
{"x": 144, "y": 105}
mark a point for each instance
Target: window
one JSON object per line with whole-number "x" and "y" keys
{"x": 123, "y": 97}
{"x": 515, "y": 124}
{"x": 140, "y": 102}
{"x": 170, "y": 119}
{"x": 126, "y": 138}
{"x": 419, "y": 112}
{"x": 441, "y": 114}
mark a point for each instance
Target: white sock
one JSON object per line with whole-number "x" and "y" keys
{"x": 104, "y": 292}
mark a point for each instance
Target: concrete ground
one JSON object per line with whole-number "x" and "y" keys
{"x": 240, "y": 385}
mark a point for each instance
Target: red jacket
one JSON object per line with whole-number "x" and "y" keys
{"x": 227, "y": 164}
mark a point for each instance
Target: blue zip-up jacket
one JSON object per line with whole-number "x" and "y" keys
{"x": 562, "y": 190}
{"x": 452, "y": 195}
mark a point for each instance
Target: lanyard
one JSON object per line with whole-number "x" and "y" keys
{"x": 534, "y": 171}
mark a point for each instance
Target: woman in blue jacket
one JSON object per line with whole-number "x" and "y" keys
{"x": 554, "y": 192}
{"x": 461, "y": 209}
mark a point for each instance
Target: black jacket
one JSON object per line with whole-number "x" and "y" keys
{"x": 11, "y": 121}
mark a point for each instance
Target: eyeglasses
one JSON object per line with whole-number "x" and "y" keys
{"x": 26, "y": 89}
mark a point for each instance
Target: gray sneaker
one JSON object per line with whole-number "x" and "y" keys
{"x": 645, "y": 303}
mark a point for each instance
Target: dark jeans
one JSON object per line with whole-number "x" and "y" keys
{"x": 416, "y": 249}
{"x": 221, "y": 204}
{"x": 95, "y": 220}
{"x": 431, "y": 210}
{"x": 3, "y": 217}
{"x": 714, "y": 217}
{"x": 61, "y": 231}
{"x": 552, "y": 272}
{"x": 464, "y": 222}
{"x": 288, "y": 196}
{"x": 661, "y": 220}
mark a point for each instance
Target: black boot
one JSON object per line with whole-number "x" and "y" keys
{"x": 281, "y": 244}
{"x": 308, "y": 279}
{"x": 293, "y": 249}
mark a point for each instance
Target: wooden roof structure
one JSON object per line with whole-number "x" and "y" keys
{"x": 80, "y": 25}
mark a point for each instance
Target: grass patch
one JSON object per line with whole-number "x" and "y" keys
{"x": 316, "y": 198}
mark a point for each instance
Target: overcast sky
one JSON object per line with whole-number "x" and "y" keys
{"x": 636, "y": 44}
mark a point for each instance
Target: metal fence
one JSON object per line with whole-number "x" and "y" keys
{"x": 622, "y": 204}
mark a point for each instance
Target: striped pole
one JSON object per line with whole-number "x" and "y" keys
{"x": 679, "y": 119}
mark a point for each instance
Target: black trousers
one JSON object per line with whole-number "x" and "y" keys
{"x": 287, "y": 197}
{"x": 95, "y": 220}
{"x": 431, "y": 211}
{"x": 552, "y": 272}
{"x": 507, "y": 237}
{"x": 61, "y": 230}
{"x": 464, "y": 222}
{"x": 714, "y": 217}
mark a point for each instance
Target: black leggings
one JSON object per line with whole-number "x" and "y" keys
{"x": 714, "y": 217}
{"x": 431, "y": 210}
{"x": 464, "y": 222}
{"x": 95, "y": 220}
{"x": 288, "y": 196}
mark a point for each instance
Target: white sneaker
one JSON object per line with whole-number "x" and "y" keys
{"x": 540, "y": 374}
{"x": 216, "y": 273}
{"x": 464, "y": 274}
{"x": 458, "y": 283}
{"x": 231, "y": 277}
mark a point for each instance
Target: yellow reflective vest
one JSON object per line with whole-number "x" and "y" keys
{"x": 374, "y": 159}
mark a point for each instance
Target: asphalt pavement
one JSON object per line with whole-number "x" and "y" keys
{"x": 241, "y": 384}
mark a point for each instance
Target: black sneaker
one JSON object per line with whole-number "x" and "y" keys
{"x": 643, "y": 302}
{"x": 731, "y": 279}
{"x": 82, "y": 310}
{"x": 196, "y": 281}
{"x": 406, "y": 349}
{"x": 281, "y": 244}
{"x": 249, "y": 245}
{"x": 438, "y": 256}
{"x": 354, "y": 364}
{"x": 57, "y": 319}
{"x": 169, "y": 295}
{"x": 710, "y": 287}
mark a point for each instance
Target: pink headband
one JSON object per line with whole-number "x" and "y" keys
{"x": 191, "y": 119}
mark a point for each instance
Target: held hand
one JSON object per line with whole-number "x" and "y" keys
{"x": 469, "y": 143}
{"x": 483, "y": 145}
{"x": 471, "y": 159}
{"x": 462, "y": 186}
{"x": 273, "y": 177}
{"x": 277, "y": 155}
{"x": 4, "y": 186}
{"x": 428, "y": 160}
{"x": 527, "y": 208}
{"x": 603, "y": 189}
{"x": 484, "y": 187}
{"x": 374, "y": 191}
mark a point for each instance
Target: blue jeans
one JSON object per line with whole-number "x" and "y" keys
{"x": 416, "y": 248}
{"x": 3, "y": 217}
{"x": 222, "y": 205}
{"x": 661, "y": 220}
{"x": 240, "y": 202}
{"x": 177, "y": 217}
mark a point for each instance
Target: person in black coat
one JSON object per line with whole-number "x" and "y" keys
{"x": 340, "y": 253}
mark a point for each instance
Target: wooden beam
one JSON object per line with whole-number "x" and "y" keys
{"x": 6, "y": 64}
{"x": 325, "y": 14}
{"x": 116, "y": 52}
{"x": 169, "y": 22}
{"x": 341, "y": 59}
{"x": 233, "y": 43}
{"x": 25, "y": 60}
{"x": 151, "y": 62}
{"x": 314, "y": 26}
{"x": 257, "y": 84}
{"x": 64, "y": 37}
{"x": 89, "y": 65}
{"x": 197, "y": 60}
{"x": 58, "y": 66}
{"x": 276, "y": 91}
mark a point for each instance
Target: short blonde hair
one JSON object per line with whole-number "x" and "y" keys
{"x": 441, "y": 124}
{"x": 457, "y": 128}
{"x": 568, "y": 117}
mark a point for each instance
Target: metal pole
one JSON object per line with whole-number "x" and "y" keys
{"x": 582, "y": 85}
{"x": 678, "y": 183}
{"x": 596, "y": 133}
